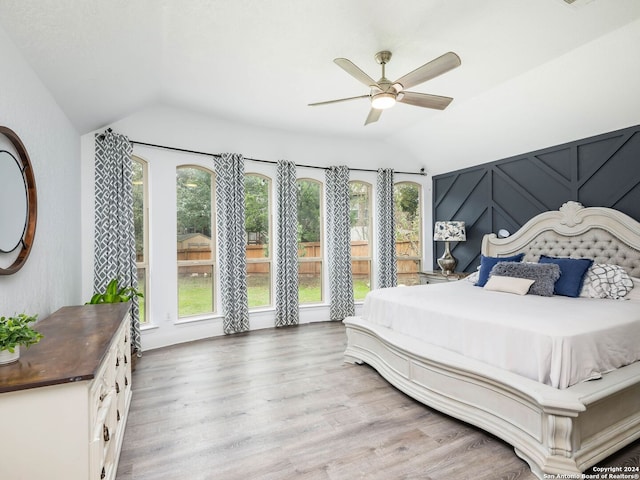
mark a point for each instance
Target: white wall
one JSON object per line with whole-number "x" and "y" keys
{"x": 51, "y": 276}
{"x": 172, "y": 127}
{"x": 588, "y": 91}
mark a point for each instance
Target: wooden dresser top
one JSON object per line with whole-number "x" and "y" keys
{"x": 76, "y": 340}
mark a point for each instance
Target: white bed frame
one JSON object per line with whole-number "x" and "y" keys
{"x": 554, "y": 431}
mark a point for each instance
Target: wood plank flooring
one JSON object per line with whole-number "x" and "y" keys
{"x": 281, "y": 404}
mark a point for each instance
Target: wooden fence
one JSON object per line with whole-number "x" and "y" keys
{"x": 307, "y": 250}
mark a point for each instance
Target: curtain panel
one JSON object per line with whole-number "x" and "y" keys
{"x": 114, "y": 241}
{"x": 387, "y": 266}
{"x": 230, "y": 214}
{"x": 287, "y": 303}
{"x": 339, "y": 243}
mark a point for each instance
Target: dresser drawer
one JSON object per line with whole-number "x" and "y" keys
{"x": 104, "y": 436}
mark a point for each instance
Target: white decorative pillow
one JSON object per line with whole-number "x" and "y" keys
{"x": 519, "y": 286}
{"x": 634, "y": 294}
{"x": 606, "y": 281}
{"x": 473, "y": 278}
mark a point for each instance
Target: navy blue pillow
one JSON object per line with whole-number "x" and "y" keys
{"x": 572, "y": 272}
{"x": 487, "y": 263}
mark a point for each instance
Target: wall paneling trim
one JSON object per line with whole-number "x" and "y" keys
{"x": 601, "y": 171}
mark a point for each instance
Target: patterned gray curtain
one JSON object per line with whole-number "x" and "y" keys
{"x": 287, "y": 312}
{"x": 231, "y": 237}
{"x": 387, "y": 274}
{"x": 339, "y": 243}
{"x": 115, "y": 243}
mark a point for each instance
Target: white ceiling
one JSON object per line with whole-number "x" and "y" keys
{"x": 260, "y": 62}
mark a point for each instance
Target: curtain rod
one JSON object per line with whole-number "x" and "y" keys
{"x": 135, "y": 142}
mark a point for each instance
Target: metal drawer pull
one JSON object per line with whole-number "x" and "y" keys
{"x": 117, "y": 388}
{"x": 126, "y": 360}
{"x": 103, "y": 396}
{"x": 105, "y": 433}
{"x": 118, "y": 414}
{"x": 118, "y": 362}
{"x": 126, "y": 382}
{"x": 103, "y": 474}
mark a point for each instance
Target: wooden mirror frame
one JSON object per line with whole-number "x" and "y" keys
{"x": 32, "y": 203}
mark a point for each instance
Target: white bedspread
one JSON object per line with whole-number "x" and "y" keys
{"x": 555, "y": 340}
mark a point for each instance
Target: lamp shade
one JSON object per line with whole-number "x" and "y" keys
{"x": 453, "y": 231}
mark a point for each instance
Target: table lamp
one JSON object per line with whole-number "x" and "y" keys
{"x": 450, "y": 231}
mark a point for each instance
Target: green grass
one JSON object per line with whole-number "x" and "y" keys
{"x": 195, "y": 293}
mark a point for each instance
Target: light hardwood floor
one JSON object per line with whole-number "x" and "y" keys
{"x": 281, "y": 404}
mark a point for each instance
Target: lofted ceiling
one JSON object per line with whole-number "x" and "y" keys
{"x": 260, "y": 62}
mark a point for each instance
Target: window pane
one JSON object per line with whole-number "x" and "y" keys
{"x": 408, "y": 231}
{"x": 309, "y": 212}
{"x": 258, "y": 284}
{"x": 360, "y": 201}
{"x": 194, "y": 242}
{"x": 195, "y": 290}
{"x": 138, "y": 208}
{"x": 309, "y": 241}
{"x": 360, "y": 214}
{"x": 140, "y": 227}
{"x": 194, "y": 214}
{"x": 142, "y": 287}
{"x": 256, "y": 191}
{"x": 310, "y": 282}
{"x": 361, "y": 271}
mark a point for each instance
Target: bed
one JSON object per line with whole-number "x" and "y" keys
{"x": 574, "y": 400}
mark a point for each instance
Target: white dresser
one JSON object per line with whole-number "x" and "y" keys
{"x": 64, "y": 404}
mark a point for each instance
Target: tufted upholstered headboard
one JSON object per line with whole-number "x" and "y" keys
{"x": 602, "y": 234}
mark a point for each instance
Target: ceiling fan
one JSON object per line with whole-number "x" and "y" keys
{"x": 384, "y": 93}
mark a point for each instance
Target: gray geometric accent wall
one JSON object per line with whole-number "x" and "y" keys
{"x": 597, "y": 171}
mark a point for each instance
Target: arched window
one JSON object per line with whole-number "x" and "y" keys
{"x": 360, "y": 214}
{"x": 195, "y": 241}
{"x": 257, "y": 193}
{"x": 407, "y": 201}
{"x": 309, "y": 241}
{"x": 141, "y": 228}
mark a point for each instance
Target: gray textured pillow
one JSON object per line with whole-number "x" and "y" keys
{"x": 544, "y": 274}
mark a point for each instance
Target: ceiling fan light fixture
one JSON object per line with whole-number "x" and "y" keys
{"x": 384, "y": 100}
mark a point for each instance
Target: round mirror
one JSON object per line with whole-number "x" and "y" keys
{"x": 13, "y": 203}
{"x": 17, "y": 203}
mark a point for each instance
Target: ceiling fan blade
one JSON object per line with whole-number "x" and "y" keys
{"x": 430, "y": 70}
{"x": 337, "y": 101}
{"x": 349, "y": 67}
{"x": 374, "y": 116}
{"x": 424, "y": 100}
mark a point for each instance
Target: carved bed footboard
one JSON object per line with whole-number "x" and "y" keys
{"x": 554, "y": 431}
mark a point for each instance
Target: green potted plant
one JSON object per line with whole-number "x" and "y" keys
{"x": 16, "y": 331}
{"x": 113, "y": 293}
